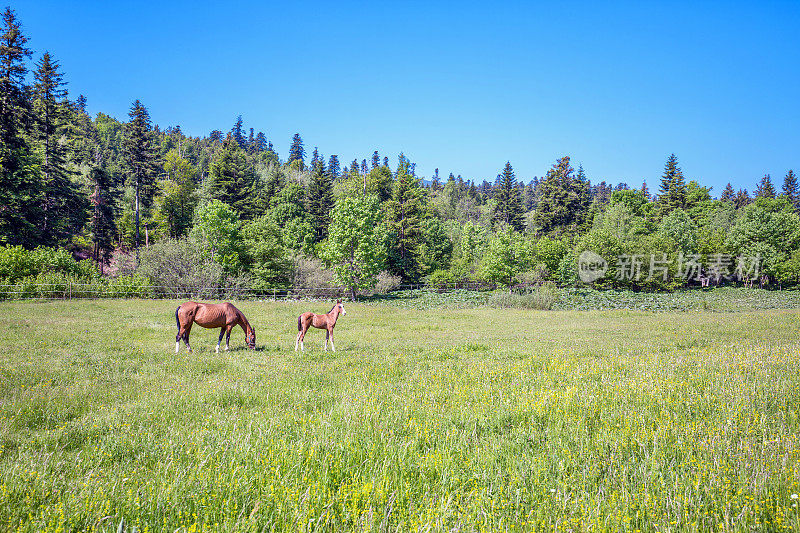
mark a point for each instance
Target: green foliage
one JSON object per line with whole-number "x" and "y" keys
{"x": 563, "y": 200}
{"x": 232, "y": 180}
{"x": 356, "y": 243}
{"x": 768, "y": 228}
{"x": 180, "y": 267}
{"x": 217, "y": 228}
{"x": 264, "y": 254}
{"x": 17, "y": 263}
{"x": 672, "y": 194}
{"x": 133, "y": 286}
{"x": 500, "y": 263}
{"x": 405, "y": 212}
{"x": 508, "y": 202}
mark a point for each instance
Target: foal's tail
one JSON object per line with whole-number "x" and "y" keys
{"x": 299, "y": 325}
{"x": 177, "y": 320}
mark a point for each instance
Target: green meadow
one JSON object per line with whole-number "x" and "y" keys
{"x": 429, "y": 419}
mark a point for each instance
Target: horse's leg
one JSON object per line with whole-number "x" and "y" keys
{"x": 185, "y": 335}
{"x": 327, "y": 334}
{"x": 300, "y": 337}
{"x": 221, "y": 333}
{"x": 228, "y": 330}
{"x": 330, "y": 334}
{"x": 178, "y": 341}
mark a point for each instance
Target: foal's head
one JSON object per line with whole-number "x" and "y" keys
{"x": 340, "y": 305}
{"x": 251, "y": 338}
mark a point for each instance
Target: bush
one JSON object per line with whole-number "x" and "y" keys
{"x": 180, "y": 268}
{"x": 17, "y": 263}
{"x": 541, "y": 297}
{"x": 387, "y": 283}
{"x": 134, "y": 286}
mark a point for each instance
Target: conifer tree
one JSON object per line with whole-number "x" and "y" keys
{"x": 405, "y": 213}
{"x": 563, "y": 199}
{"x": 238, "y": 132}
{"x": 386, "y": 161}
{"x": 20, "y": 215}
{"x": 319, "y": 199}
{"x": 376, "y": 159}
{"x": 140, "y": 157}
{"x": 742, "y": 198}
{"x": 102, "y": 226}
{"x": 261, "y": 142}
{"x": 672, "y": 193}
{"x": 508, "y": 208}
{"x": 791, "y": 190}
{"x": 645, "y": 191}
{"x": 63, "y": 207}
{"x": 333, "y": 168}
{"x": 728, "y": 194}
{"x": 364, "y": 168}
{"x": 765, "y": 189}
{"x": 297, "y": 152}
{"x": 232, "y": 180}
{"x": 251, "y": 141}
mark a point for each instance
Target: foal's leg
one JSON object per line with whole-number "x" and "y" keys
{"x": 300, "y": 336}
{"x": 327, "y": 334}
{"x": 330, "y": 334}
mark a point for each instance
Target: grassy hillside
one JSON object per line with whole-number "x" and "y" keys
{"x": 436, "y": 419}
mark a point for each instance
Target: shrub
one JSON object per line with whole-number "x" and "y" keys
{"x": 180, "y": 268}
{"x": 387, "y": 283}
{"x": 541, "y": 297}
{"x": 134, "y": 286}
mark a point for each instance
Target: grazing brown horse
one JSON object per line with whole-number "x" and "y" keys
{"x": 224, "y": 316}
{"x": 326, "y": 322}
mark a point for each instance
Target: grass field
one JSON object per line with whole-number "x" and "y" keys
{"x": 423, "y": 420}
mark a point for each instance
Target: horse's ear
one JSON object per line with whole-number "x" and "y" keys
{"x": 338, "y": 301}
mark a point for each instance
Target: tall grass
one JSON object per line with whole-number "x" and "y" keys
{"x": 423, "y": 420}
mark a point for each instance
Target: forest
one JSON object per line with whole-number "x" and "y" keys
{"x": 138, "y": 203}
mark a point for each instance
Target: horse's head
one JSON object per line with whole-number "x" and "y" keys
{"x": 340, "y": 305}
{"x": 251, "y": 339}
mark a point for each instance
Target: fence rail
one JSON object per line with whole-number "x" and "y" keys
{"x": 69, "y": 291}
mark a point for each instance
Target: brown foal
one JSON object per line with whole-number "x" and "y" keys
{"x": 224, "y": 316}
{"x": 326, "y": 322}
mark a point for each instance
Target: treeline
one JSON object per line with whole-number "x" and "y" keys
{"x": 229, "y": 209}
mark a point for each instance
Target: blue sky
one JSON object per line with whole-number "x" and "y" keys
{"x": 459, "y": 86}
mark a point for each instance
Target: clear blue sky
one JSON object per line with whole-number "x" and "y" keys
{"x": 459, "y": 86}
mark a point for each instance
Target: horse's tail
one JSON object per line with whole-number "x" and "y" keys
{"x": 177, "y": 320}
{"x": 299, "y": 325}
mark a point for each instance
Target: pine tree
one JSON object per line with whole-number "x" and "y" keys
{"x": 261, "y": 142}
{"x": 791, "y": 190}
{"x": 238, "y": 132}
{"x": 297, "y": 152}
{"x": 672, "y": 194}
{"x": 376, "y": 159}
{"x": 102, "y": 226}
{"x": 20, "y": 215}
{"x": 563, "y": 199}
{"x": 364, "y": 168}
{"x": 765, "y": 189}
{"x": 215, "y": 136}
{"x": 508, "y": 207}
{"x": 232, "y": 180}
{"x": 386, "y": 161}
{"x": 728, "y": 194}
{"x": 404, "y": 214}
{"x": 140, "y": 156}
{"x": 319, "y": 199}
{"x": 315, "y": 159}
{"x": 333, "y": 167}
{"x": 63, "y": 206}
{"x": 645, "y": 191}
{"x": 251, "y": 141}
{"x": 742, "y": 198}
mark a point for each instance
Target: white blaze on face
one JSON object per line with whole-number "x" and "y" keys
{"x": 341, "y": 306}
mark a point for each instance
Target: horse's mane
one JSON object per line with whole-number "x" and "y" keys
{"x": 332, "y": 308}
